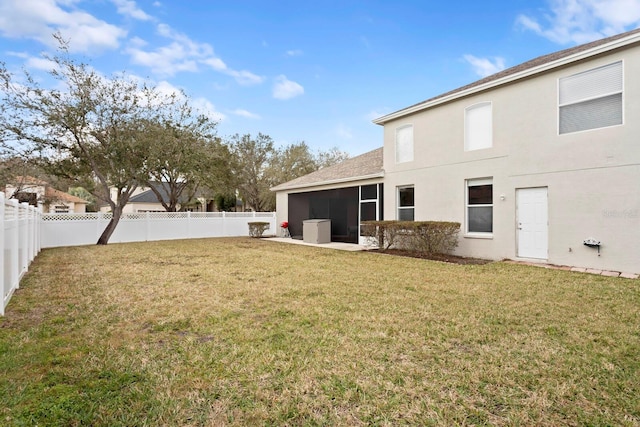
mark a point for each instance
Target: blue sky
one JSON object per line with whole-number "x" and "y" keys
{"x": 317, "y": 72}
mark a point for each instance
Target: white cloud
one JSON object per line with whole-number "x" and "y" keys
{"x": 244, "y": 113}
{"x": 131, "y": 9}
{"x": 202, "y": 105}
{"x": 34, "y": 63}
{"x": 165, "y": 61}
{"x": 286, "y": 89}
{"x": 39, "y": 19}
{"x": 183, "y": 54}
{"x": 581, "y": 21}
{"x": 294, "y": 52}
{"x": 485, "y": 66}
{"x": 205, "y": 107}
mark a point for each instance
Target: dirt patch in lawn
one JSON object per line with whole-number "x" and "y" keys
{"x": 435, "y": 257}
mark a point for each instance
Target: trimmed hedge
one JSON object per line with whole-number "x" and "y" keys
{"x": 419, "y": 236}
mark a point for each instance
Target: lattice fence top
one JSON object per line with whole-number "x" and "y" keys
{"x": 92, "y": 216}
{"x": 75, "y": 216}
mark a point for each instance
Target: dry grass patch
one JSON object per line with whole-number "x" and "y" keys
{"x": 244, "y": 331}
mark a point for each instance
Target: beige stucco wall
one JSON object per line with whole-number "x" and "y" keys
{"x": 593, "y": 177}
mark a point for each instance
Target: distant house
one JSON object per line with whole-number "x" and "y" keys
{"x": 144, "y": 199}
{"x": 539, "y": 162}
{"x": 39, "y": 193}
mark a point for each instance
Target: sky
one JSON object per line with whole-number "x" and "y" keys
{"x": 317, "y": 72}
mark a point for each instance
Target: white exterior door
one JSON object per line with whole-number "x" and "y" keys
{"x": 532, "y": 231}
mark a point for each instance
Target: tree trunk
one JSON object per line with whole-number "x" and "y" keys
{"x": 111, "y": 227}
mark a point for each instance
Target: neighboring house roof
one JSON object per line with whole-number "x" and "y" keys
{"x": 150, "y": 197}
{"x": 526, "y": 69}
{"x": 27, "y": 183}
{"x": 364, "y": 166}
{"x": 57, "y": 195}
{"x": 30, "y": 180}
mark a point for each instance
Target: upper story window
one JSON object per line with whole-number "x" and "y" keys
{"x": 591, "y": 99}
{"x": 480, "y": 205}
{"x": 406, "y": 203}
{"x": 478, "y": 127}
{"x": 404, "y": 144}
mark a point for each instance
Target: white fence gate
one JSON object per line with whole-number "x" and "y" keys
{"x": 19, "y": 244}
{"x": 24, "y": 230}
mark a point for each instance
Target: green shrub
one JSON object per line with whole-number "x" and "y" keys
{"x": 257, "y": 228}
{"x": 418, "y": 236}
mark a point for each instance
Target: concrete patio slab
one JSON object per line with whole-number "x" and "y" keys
{"x": 351, "y": 247}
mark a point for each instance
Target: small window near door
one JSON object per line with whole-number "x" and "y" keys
{"x": 480, "y": 206}
{"x": 406, "y": 203}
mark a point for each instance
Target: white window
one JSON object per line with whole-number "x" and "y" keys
{"x": 478, "y": 127}
{"x": 404, "y": 144}
{"x": 405, "y": 203}
{"x": 591, "y": 99}
{"x": 480, "y": 205}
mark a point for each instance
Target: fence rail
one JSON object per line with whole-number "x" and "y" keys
{"x": 20, "y": 238}
{"x": 24, "y": 230}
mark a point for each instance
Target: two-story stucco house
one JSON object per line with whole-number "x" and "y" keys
{"x": 534, "y": 161}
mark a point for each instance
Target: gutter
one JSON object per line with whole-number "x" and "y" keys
{"x": 329, "y": 182}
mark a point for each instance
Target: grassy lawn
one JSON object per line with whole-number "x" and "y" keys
{"x": 251, "y": 332}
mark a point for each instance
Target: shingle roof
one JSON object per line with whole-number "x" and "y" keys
{"x": 367, "y": 165}
{"x": 150, "y": 197}
{"x": 53, "y": 194}
{"x": 514, "y": 72}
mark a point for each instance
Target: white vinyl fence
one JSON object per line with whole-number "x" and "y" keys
{"x": 19, "y": 244}
{"x": 85, "y": 229}
{"x": 24, "y": 230}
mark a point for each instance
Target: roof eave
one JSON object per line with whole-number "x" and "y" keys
{"x": 511, "y": 78}
{"x": 328, "y": 182}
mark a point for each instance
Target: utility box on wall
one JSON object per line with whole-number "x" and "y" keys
{"x": 316, "y": 231}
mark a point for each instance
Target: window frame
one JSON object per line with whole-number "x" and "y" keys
{"x": 587, "y": 99}
{"x": 476, "y": 182}
{"x": 467, "y": 133}
{"x": 409, "y": 147}
{"x": 405, "y": 208}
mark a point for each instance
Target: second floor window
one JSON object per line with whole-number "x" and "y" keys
{"x": 478, "y": 127}
{"x": 591, "y": 99}
{"x": 404, "y": 144}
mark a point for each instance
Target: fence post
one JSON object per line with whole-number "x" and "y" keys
{"x": 147, "y": 226}
{"x": 224, "y": 228}
{"x": 2, "y": 254}
{"x": 14, "y": 261}
{"x": 23, "y": 239}
{"x": 188, "y": 224}
{"x": 98, "y": 221}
